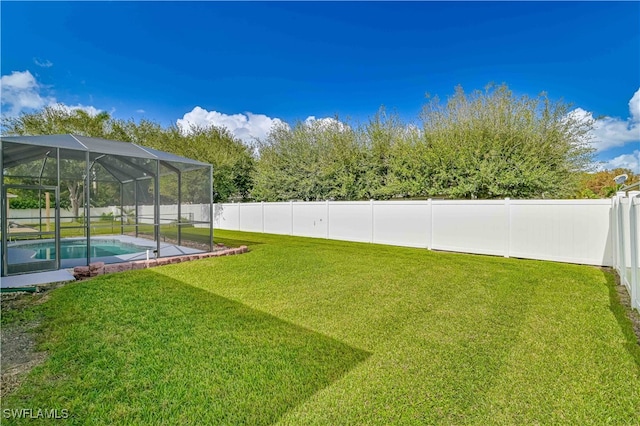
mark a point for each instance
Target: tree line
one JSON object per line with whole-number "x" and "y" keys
{"x": 484, "y": 144}
{"x": 233, "y": 161}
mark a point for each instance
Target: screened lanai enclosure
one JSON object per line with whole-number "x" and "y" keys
{"x": 71, "y": 200}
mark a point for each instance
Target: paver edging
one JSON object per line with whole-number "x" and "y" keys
{"x": 99, "y": 268}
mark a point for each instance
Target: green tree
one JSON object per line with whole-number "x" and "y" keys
{"x": 288, "y": 165}
{"x": 491, "y": 143}
{"x": 314, "y": 160}
{"x": 486, "y": 144}
{"x": 394, "y": 154}
{"x": 232, "y": 160}
{"x": 58, "y": 120}
{"x": 602, "y": 185}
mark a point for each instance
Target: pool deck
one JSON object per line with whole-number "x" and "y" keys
{"x": 36, "y": 279}
{"x": 66, "y": 273}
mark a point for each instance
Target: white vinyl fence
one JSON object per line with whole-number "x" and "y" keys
{"x": 32, "y": 216}
{"x": 626, "y": 242}
{"x": 168, "y": 213}
{"x": 574, "y": 231}
{"x": 593, "y": 232}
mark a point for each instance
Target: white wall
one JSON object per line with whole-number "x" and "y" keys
{"x": 575, "y": 231}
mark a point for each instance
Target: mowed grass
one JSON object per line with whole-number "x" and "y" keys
{"x": 307, "y": 331}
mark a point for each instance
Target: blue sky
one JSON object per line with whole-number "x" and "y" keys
{"x": 247, "y": 64}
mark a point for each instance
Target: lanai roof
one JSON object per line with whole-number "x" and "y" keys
{"x": 114, "y": 156}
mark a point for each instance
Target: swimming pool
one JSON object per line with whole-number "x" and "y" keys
{"x": 77, "y": 249}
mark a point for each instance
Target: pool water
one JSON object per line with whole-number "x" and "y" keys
{"x": 78, "y": 249}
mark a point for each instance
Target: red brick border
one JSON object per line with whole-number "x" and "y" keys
{"x": 99, "y": 268}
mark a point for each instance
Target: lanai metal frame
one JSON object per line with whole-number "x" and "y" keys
{"x": 125, "y": 163}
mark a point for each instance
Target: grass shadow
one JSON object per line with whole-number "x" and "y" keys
{"x": 234, "y": 242}
{"x": 140, "y": 347}
{"x": 623, "y": 313}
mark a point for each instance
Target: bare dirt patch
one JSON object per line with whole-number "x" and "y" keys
{"x": 18, "y": 353}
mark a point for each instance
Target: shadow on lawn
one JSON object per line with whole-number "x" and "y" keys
{"x": 140, "y": 347}
{"x": 629, "y": 321}
{"x": 232, "y": 242}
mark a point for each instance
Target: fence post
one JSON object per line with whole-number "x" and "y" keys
{"x": 372, "y": 221}
{"x": 262, "y": 205}
{"x": 613, "y": 227}
{"x": 430, "y": 238}
{"x": 633, "y": 240}
{"x": 291, "y": 212}
{"x": 621, "y": 246}
{"x": 327, "y": 206}
{"x": 615, "y": 231}
{"x": 507, "y": 243}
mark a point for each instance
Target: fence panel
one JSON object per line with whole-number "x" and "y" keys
{"x": 626, "y": 242}
{"x": 350, "y": 221}
{"x": 227, "y": 216}
{"x": 146, "y": 214}
{"x": 575, "y": 231}
{"x": 470, "y": 226}
{"x": 251, "y": 217}
{"x": 402, "y": 223}
{"x": 200, "y": 213}
{"x": 278, "y": 218}
{"x": 310, "y": 219}
{"x": 32, "y": 216}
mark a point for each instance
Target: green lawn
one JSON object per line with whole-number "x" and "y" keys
{"x": 307, "y": 331}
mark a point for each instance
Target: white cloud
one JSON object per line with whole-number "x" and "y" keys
{"x": 310, "y": 120}
{"x": 20, "y": 91}
{"x": 325, "y": 122}
{"x": 625, "y": 161}
{"x": 246, "y": 127}
{"x": 42, "y": 63}
{"x": 634, "y": 107}
{"x": 610, "y": 132}
{"x": 140, "y": 111}
{"x": 91, "y": 110}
